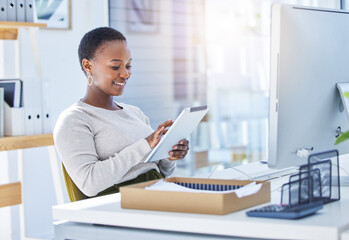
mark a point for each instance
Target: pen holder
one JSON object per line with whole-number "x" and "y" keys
{"x": 13, "y": 121}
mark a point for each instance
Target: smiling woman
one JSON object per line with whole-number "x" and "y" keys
{"x": 103, "y": 143}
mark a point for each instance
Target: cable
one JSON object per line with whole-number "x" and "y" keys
{"x": 248, "y": 176}
{"x": 238, "y": 170}
{"x": 219, "y": 164}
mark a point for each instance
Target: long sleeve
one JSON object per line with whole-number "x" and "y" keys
{"x": 75, "y": 143}
{"x": 166, "y": 166}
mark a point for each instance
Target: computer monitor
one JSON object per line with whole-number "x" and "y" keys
{"x": 309, "y": 55}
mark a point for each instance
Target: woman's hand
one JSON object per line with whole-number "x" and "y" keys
{"x": 180, "y": 150}
{"x": 155, "y": 137}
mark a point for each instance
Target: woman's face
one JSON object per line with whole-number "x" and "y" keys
{"x": 111, "y": 67}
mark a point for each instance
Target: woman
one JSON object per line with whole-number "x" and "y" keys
{"x": 102, "y": 143}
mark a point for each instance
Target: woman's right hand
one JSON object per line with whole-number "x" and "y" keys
{"x": 154, "y": 138}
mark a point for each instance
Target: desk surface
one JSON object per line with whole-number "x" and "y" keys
{"x": 328, "y": 223}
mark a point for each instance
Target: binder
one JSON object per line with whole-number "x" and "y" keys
{"x": 29, "y": 10}
{"x": 11, "y": 10}
{"x": 46, "y": 109}
{"x": 37, "y": 106}
{"x": 13, "y": 121}
{"x": 20, "y": 11}
{"x": 28, "y": 106}
{"x": 3, "y": 10}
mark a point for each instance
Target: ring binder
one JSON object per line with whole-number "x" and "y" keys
{"x": 3, "y": 10}
{"x": 20, "y": 11}
{"x": 11, "y": 10}
{"x": 29, "y": 11}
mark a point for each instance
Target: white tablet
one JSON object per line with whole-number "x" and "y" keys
{"x": 184, "y": 125}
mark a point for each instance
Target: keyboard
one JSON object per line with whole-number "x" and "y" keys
{"x": 286, "y": 211}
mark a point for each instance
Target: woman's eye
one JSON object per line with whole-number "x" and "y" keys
{"x": 128, "y": 67}
{"x": 115, "y": 67}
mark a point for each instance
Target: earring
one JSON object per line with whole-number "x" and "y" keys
{"x": 90, "y": 80}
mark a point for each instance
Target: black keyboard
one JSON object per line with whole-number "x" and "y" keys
{"x": 286, "y": 211}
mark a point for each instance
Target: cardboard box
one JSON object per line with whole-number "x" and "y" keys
{"x": 136, "y": 197}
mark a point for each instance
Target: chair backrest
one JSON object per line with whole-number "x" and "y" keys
{"x": 10, "y": 194}
{"x": 74, "y": 192}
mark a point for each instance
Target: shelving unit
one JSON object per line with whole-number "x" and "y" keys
{"x": 9, "y": 31}
{"x": 11, "y": 193}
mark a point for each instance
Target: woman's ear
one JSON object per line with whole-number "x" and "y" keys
{"x": 87, "y": 66}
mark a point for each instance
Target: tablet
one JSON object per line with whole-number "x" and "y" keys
{"x": 180, "y": 129}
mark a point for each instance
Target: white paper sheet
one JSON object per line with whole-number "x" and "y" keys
{"x": 244, "y": 191}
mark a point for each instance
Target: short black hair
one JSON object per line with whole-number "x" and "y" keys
{"x": 95, "y": 38}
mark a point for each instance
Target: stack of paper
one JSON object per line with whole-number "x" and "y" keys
{"x": 244, "y": 191}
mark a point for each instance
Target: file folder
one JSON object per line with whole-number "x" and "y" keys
{"x": 28, "y": 106}
{"x": 37, "y": 106}
{"x": 11, "y": 10}
{"x": 46, "y": 109}
{"x": 29, "y": 10}
{"x": 13, "y": 91}
{"x": 3, "y": 10}
{"x": 20, "y": 10}
{"x": 13, "y": 121}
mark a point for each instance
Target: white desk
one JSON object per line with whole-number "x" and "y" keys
{"x": 81, "y": 217}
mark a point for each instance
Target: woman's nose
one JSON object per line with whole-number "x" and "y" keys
{"x": 124, "y": 73}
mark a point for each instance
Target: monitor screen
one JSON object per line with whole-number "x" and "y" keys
{"x": 309, "y": 55}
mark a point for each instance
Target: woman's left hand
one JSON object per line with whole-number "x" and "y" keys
{"x": 180, "y": 150}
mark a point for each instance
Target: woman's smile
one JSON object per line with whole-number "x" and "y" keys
{"x": 119, "y": 84}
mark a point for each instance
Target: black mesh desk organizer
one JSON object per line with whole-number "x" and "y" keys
{"x": 316, "y": 183}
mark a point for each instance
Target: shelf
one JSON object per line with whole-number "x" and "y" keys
{"x": 10, "y": 194}
{"x": 9, "y": 30}
{"x": 21, "y": 24}
{"x": 21, "y": 142}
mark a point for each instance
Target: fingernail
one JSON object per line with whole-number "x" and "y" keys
{"x": 171, "y": 153}
{"x": 175, "y": 147}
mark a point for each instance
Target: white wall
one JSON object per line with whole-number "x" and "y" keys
{"x": 151, "y": 85}
{"x": 165, "y": 63}
{"x": 67, "y": 84}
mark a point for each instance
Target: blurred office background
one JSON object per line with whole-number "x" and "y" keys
{"x": 186, "y": 53}
{"x": 197, "y": 52}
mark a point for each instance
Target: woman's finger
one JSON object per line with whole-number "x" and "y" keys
{"x": 184, "y": 142}
{"x": 168, "y": 123}
{"x": 181, "y": 147}
{"x": 178, "y": 154}
{"x": 158, "y": 132}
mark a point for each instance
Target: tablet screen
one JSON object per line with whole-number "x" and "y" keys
{"x": 184, "y": 125}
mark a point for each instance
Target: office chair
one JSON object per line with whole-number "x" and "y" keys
{"x": 74, "y": 192}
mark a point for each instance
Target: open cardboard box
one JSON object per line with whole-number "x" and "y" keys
{"x": 136, "y": 197}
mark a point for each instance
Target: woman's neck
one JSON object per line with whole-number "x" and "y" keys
{"x": 98, "y": 98}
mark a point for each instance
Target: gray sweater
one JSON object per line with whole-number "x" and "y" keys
{"x": 100, "y": 148}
